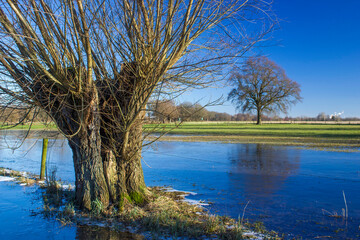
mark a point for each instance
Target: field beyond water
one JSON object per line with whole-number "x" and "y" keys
{"x": 338, "y": 137}
{"x": 334, "y": 137}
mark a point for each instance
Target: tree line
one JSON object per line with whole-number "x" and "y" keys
{"x": 166, "y": 111}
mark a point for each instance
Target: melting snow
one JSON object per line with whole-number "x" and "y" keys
{"x": 6, "y": 179}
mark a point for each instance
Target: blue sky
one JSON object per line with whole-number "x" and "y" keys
{"x": 319, "y": 47}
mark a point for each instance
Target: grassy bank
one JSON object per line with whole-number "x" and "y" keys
{"x": 338, "y": 137}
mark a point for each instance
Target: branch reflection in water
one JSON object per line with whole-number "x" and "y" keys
{"x": 263, "y": 168}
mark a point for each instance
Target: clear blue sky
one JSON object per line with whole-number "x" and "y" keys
{"x": 320, "y": 49}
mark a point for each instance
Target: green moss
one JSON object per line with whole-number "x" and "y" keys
{"x": 127, "y": 197}
{"x": 137, "y": 197}
{"x": 132, "y": 198}
{"x": 121, "y": 202}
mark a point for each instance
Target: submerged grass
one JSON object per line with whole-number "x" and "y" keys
{"x": 20, "y": 177}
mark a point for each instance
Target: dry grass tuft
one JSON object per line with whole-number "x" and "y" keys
{"x": 20, "y": 177}
{"x": 165, "y": 214}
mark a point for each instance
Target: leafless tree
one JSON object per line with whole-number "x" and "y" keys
{"x": 263, "y": 86}
{"x": 93, "y": 65}
{"x": 192, "y": 111}
{"x": 165, "y": 110}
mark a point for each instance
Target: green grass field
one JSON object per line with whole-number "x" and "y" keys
{"x": 34, "y": 126}
{"x": 341, "y": 137}
{"x": 276, "y": 130}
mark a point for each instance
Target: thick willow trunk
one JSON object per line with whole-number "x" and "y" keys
{"x": 123, "y": 170}
{"x": 90, "y": 181}
{"x": 121, "y": 101}
{"x": 78, "y": 117}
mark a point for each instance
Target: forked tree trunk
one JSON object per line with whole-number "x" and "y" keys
{"x": 107, "y": 160}
{"x": 121, "y": 137}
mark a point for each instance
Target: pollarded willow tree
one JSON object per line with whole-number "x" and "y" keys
{"x": 93, "y": 65}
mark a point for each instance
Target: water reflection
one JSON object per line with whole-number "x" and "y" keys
{"x": 85, "y": 232}
{"x": 262, "y": 169}
{"x": 26, "y": 155}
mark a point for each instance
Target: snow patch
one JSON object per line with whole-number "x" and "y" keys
{"x": 195, "y": 202}
{"x": 168, "y": 189}
{"x": 6, "y": 179}
{"x": 185, "y": 194}
{"x": 67, "y": 187}
{"x": 254, "y": 235}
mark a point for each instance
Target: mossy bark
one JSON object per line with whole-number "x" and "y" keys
{"x": 123, "y": 170}
{"x": 90, "y": 182}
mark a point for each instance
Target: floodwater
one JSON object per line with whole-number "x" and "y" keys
{"x": 18, "y": 221}
{"x": 297, "y": 192}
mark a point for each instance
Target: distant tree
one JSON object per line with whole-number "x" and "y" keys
{"x": 165, "y": 111}
{"x": 199, "y": 113}
{"x": 262, "y": 86}
{"x": 244, "y": 117}
{"x": 322, "y": 116}
{"x": 185, "y": 110}
{"x": 210, "y": 115}
{"x": 222, "y": 117}
{"x": 192, "y": 112}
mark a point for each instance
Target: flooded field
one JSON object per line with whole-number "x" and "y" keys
{"x": 293, "y": 191}
{"x": 18, "y": 208}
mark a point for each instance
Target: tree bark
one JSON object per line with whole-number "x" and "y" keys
{"x": 79, "y": 119}
{"x": 123, "y": 169}
{"x": 259, "y": 113}
{"x": 130, "y": 159}
{"x": 90, "y": 183}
